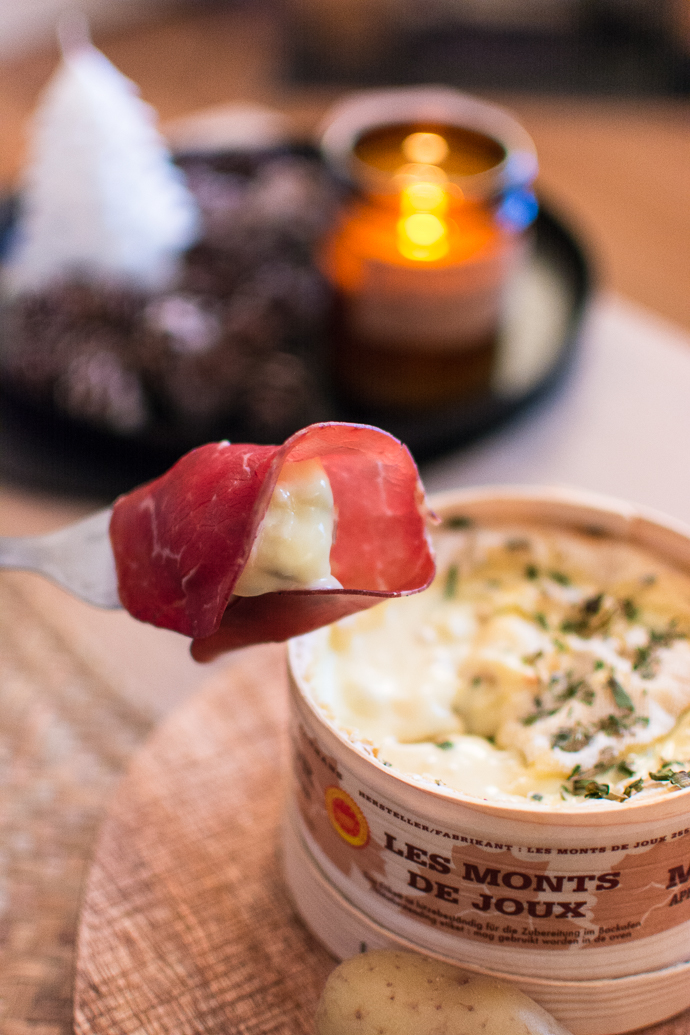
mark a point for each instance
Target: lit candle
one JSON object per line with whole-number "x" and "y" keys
{"x": 422, "y": 259}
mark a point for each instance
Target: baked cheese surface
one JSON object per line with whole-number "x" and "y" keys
{"x": 542, "y": 663}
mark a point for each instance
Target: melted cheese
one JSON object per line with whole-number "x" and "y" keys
{"x": 293, "y": 545}
{"x": 538, "y": 663}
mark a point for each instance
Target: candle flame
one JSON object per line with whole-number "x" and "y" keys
{"x": 424, "y": 197}
{"x": 422, "y": 230}
{"x": 425, "y": 148}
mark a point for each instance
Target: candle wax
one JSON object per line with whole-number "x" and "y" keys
{"x": 369, "y": 234}
{"x": 409, "y": 333}
{"x": 422, "y": 264}
{"x": 468, "y": 152}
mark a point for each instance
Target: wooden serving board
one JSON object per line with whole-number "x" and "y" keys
{"x": 186, "y": 928}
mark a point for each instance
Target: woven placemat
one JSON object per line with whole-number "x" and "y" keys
{"x": 186, "y": 927}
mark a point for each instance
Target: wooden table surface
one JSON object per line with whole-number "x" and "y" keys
{"x": 81, "y": 689}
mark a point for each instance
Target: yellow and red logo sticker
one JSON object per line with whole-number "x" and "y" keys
{"x": 346, "y": 817}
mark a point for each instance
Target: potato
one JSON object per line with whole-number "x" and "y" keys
{"x": 399, "y": 993}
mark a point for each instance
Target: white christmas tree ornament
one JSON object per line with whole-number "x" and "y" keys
{"x": 101, "y": 198}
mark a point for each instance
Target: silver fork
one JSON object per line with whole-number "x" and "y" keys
{"x": 79, "y": 558}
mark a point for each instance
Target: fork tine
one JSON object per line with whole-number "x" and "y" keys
{"x": 79, "y": 558}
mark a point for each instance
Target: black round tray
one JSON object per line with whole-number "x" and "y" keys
{"x": 42, "y": 448}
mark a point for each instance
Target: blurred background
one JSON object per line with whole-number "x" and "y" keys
{"x": 624, "y": 47}
{"x": 603, "y": 86}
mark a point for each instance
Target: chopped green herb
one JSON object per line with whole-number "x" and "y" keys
{"x": 606, "y": 760}
{"x": 620, "y": 695}
{"x": 476, "y": 680}
{"x": 646, "y": 659}
{"x": 633, "y": 788}
{"x": 584, "y": 782}
{"x": 569, "y": 691}
{"x": 445, "y": 745}
{"x": 598, "y": 665}
{"x": 529, "y": 659}
{"x": 617, "y": 725}
{"x": 624, "y": 769}
{"x": 531, "y": 572}
{"x": 645, "y": 662}
{"x": 679, "y": 778}
{"x": 665, "y": 637}
{"x": 559, "y": 645}
{"x": 459, "y": 521}
{"x": 540, "y": 619}
{"x": 612, "y": 725}
{"x": 562, "y": 688}
{"x": 560, "y": 577}
{"x": 389, "y": 764}
{"x": 573, "y": 738}
{"x": 517, "y": 544}
{"x": 537, "y": 797}
{"x": 590, "y": 788}
{"x": 451, "y": 582}
{"x": 582, "y": 621}
{"x": 596, "y": 790}
{"x": 629, "y": 609}
{"x": 541, "y": 713}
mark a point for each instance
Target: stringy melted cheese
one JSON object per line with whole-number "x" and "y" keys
{"x": 293, "y": 545}
{"x": 540, "y": 664}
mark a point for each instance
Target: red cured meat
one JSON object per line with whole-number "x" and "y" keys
{"x": 181, "y": 542}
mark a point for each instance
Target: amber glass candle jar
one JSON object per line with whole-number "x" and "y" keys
{"x": 424, "y": 253}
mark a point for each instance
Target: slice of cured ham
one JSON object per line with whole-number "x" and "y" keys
{"x": 182, "y": 541}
